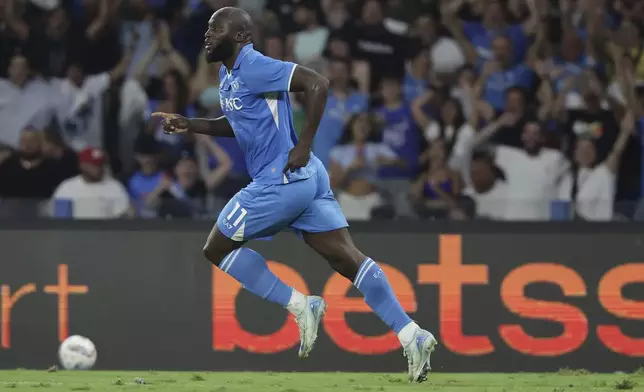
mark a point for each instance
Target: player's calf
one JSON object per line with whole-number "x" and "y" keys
{"x": 343, "y": 256}
{"x": 251, "y": 270}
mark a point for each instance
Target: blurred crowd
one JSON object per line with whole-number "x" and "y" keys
{"x": 438, "y": 109}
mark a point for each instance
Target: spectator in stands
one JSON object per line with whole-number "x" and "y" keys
{"x": 489, "y": 189}
{"x": 343, "y": 102}
{"x": 93, "y": 194}
{"x": 337, "y": 47}
{"x": 147, "y": 178}
{"x": 497, "y": 75}
{"x": 452, "y": 128}
{"x": 436, "y": 190}
{"x": 79, "y": 102}
{"x": 222, "y": 164}
{"x": 157, "y": 56}
{"x": 204, "y": 88}
{"x": 181, "y": 196}
{"x": 445, "y": 54}
{"x": 591, "y": 185}
{"x": 306, "y": 46}
{"x": 354, "y": 167}
{"x": 373, "y": 44}
{"x": 55, "y": 149}
{"x": 515, "y": 106}
{"x": 26, "y": 177}
{"x": 480, "y": 36}
{"x": 274, "y": 47}
{"x": 482, "y": 76}
{"x": 337, "y": 15}
{"x": 416, "y": 81}
{"x": 24, "y": 101}
{"x": 573, "y": 59}
{"x": 175, "y": 100}
{"x": 590, "y": 115}
{"x": 400, "y": 131}
{"x": 533, "y": 172}
{"x": 283, "y": 12}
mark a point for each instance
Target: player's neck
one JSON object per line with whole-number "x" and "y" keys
{"x": 230, "y": 62}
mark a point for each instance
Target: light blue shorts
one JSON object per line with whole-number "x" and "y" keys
{"x": 260, "y": 211}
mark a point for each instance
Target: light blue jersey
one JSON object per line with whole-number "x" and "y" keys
{"x": 254, "y": 98}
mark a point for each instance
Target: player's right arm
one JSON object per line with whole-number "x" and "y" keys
{"x": 175, "y": 123}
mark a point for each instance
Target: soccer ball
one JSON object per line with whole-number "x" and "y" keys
{"x": 77, "y": 353}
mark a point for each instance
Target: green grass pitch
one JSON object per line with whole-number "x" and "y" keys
{"x": 94, "y": 381}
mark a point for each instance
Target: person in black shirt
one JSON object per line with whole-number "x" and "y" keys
{"x": 27, "y": 177}
{"x": 373, "y": 43}
{"x": 184, "y": 195}
{"x": 65, "y": 158}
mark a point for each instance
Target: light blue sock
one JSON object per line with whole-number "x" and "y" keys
{"x": 250, "y": 269}
{"x": 379, "y": 295}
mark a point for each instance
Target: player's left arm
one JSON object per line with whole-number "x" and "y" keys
{"x": 316, "y": 89}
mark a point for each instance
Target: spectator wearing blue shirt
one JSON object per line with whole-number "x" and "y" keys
{"x": 343, "y": 102}
{"x": 572, "y": 60}
{"x": 416, "y": 81}
{"x": 400, "y": 131}
{"x": 176, "y": 95}
{"x": 145, "y": 180}
{"x": 477, "y": 37}
{"x": 354, "y": 167}
{"x": 497, "y": 76}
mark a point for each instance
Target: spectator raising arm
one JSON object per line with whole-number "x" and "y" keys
{"x": 506, "y": 119}
{"x": 449, "y": 10}
{"x": 627, "y": 130}
{"x": 141, "y": 73}
{"x": 99, "y": 22}
{"x": 171, "y": 58}
{"x": 421, "y": 118}
{"x": 224, "y": 164}
{"x": 15, "y": 22}
{"x": 532, "y": 24}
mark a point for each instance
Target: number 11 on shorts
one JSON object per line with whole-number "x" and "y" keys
{"x": 241, "y": 216}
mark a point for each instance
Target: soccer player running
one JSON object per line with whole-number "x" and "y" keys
{"x": 290, "y": 187}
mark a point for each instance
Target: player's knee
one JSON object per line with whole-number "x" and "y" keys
{"x": 212, "y": 254}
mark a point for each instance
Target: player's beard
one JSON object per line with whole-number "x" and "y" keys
{"x": 221, "y": 52}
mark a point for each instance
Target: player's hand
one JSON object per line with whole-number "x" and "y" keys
{"x": 172, "y": 123}
{"x": 298, "y": 157}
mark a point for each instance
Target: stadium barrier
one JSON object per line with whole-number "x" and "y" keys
{"x": 500, "y": 297}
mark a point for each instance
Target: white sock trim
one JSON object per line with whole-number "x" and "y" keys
{"x": 362, "y": 271}
{"x": 406, "y": 335}
{"x": 296, "y": 303}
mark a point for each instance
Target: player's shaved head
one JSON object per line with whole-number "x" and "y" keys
{"x": 238, "y": 19}
{"x": 229, "y": 28}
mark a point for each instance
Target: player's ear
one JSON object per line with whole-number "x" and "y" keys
{"x": 241, "y": 36}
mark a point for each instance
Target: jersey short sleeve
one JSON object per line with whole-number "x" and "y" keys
{"x": 266, "y": 75}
